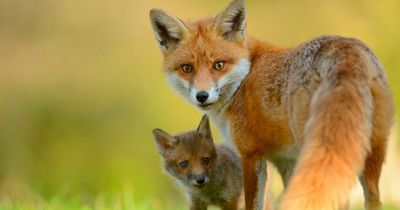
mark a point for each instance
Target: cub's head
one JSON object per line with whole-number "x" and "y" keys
{"x": 205, "y": 61}
{"x": 189, "y": 157}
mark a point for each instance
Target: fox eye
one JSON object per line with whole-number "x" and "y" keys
{"x": 184, "y": 164}
{"x": 219, "y": 65}
{"x": 187, "y": 68}
{"x": 206, "y": 160}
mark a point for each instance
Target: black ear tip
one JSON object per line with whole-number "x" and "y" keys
{"x": 152, "y": 12}
{"x": 205, "y": 119}
{"x": 156, "y": 130}
{"x": 155, "y": 12}
{"x": 238, "y": 1}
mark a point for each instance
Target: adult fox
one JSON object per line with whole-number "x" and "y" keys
{"x": 320, "y": 112}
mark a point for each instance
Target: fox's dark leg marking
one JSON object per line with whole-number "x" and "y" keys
{"x": 254, "y": 173}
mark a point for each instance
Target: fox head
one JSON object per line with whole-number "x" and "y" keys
{"x": 189, "y": 157}
{"x": 205, "y": 61}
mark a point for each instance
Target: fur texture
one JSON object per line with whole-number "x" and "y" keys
{"x": 186, "y": 161}
{"x": 320, "y": 112}
{"x": 223, "y": 182}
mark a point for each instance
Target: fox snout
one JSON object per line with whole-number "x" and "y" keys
{"x": 198, "y": 176}
{"x": 202, "y": 96}
{"x": 199, "y": 180}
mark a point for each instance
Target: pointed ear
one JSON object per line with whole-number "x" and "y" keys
{"x": 231, "y": 23}
{"x": 204, "y": 127}
{"x": 164, "y": 140}
{"x": 168, "y": 29}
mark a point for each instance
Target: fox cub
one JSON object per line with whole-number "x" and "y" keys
{"x": 210, "y": 174}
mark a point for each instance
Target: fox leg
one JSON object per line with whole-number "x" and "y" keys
{"x": 373, "y": 165}
{"x": 254, "y": 174}
{"x": 370, "y": 179}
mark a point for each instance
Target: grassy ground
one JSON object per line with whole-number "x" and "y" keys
{"x": 20, "y": 197}
{"x": 116, "y": 201}
{"x": 62, "y": 204}
{"x": 111, "y": 202}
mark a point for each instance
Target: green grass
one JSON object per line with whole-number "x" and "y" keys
{"x": 116, "y": 201}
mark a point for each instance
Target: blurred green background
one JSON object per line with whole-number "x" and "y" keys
{"x": 81, "y": 88}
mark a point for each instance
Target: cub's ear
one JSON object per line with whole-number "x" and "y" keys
{"x": 164, "y": 140}
{"x": 204, "y": 127}
{"x": 231, "y": 23}
{"x": 168, "y": 29}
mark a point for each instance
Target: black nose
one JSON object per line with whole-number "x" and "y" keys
{"x": 202, "y": 96}
{"x": 200, "y": 180}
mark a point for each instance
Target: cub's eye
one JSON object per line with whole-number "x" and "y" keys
{"x": 187, "y": 68}
{"x": 184, "y": 164}
{"x": 206, "y": 160}
{"x": 219, "y": 65}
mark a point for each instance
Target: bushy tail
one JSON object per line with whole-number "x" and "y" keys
{"x": 336, "y": 142}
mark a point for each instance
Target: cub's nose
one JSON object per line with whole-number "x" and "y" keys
{"x": 200, "y": 180}
{"x": 202, "y": 96}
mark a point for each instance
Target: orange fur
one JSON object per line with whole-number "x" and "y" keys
{"x": 321, "y": 112}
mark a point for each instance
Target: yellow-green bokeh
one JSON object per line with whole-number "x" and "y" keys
{"x": 81, "y": 86}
